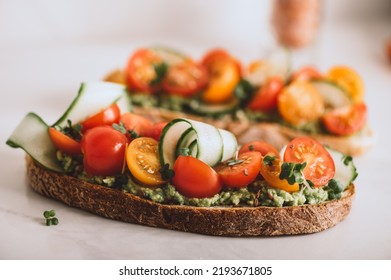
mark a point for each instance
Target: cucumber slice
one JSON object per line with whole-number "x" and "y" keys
{"x": 206, "y": 109}
{"x": 333, "y": 95}
{"x": 32, "y": 136}
{"x": 230, "y": 144}
{"x": 281, "y": 62}
{"x": 91, "y": 98}
{"x": 205, "y": 142}
{"x": 169, "y": 55}
{"x": 345, "y": 170}
{"x": 276, "y": 63}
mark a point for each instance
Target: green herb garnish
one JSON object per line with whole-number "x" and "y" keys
{"x": 347, "y": 160}
{"x": 166, "y": 172}
{"x": 73, "y": 131}
{"x": 268, "y": 160}
{"x": 334, "y": 189}
{"x": 243, "y": 90}
{"x": 293, "y": 172}
{"x": 160, "y": 71}
{"x": 50, "y": 217}
{"x": 121, "y": 128}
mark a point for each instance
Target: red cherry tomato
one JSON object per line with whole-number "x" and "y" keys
{"x": 104, "y": 151}
{"x": 105, "y": 117}
{"x": 64, "y": 143}
{"x": 347, "y": 120}
{"x": 185, "y": 78}
{"x": 194, "y": 178}
{"x": 156, "y": 130}
{"x": 139, "y": 124}
{"x": 306, "y": 73}
{"x": 265, "y": 98}
{"x": 259, "y": 146}
{"x": 140, "y": 70}
{"x": 320, "y": 165}
{"x": 241, "y": 172}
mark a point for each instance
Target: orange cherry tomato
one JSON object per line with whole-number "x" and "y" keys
{"x": 241, "y": 172}
{"x": 271, "y": 175}
{"x": 320, "y": 166}
{"x": 104, "y": 149}
{"x": 136, "y": 123}
{"x": 116, "y": 76}
{"x": 64, "y": 143}
{"x": 140, "y": 70}
{"x": 185, "y": 78}
{"x": 194, "y": 178}
{"x": 349, "y": 80}
{"x": 306, "y": 73}
{"x": 143, "y": 162}
{"x": 105, "y": 117}
{"x": 265, "y": 98}
{"x": 262, "y": 147}
{"x": 224, "y": 74}
{"x": 345, "y": 120}
{"x": 300, "y": 103}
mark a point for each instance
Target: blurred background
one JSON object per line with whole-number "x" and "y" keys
{"x": 52, "y": 46}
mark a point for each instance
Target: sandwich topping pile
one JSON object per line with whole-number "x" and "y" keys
{"x": 184, "y": 162}
{"x": 220, "y": 87}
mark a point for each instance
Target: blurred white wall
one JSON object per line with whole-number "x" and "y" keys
{"x": 85, "y": 21}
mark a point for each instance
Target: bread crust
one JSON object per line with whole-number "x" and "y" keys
{"x": 220, "y": 221}
{"x": 274, "y": 133}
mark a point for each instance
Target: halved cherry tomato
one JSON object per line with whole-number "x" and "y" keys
{"x": 261, "y": 147}
{"x": 194, "y": 178}
{"x": 271, "y": 174}
{"x": 300, "y": 103}
{"x": 219, "y": 54}
{"x": 265, "y": 98}
{"x": 185, "y": 78}
{"x": 241, "y": 172}
{"x": 349, "y": 80}
{"x": 105, "y": 117}
{"x": 306, "y": 73}
{"x": 156, "y": 130}
{"x": 137, "y": 123}
{"x": 64, "y": 143}
{"x": 116, "y": 76}
{"x": 104, "y": 151}
{"x": 143, "y": 162}
{"x": 141, "y": 71}
{"x": 320, "y": 165}
{"x": 345, "y": 120}
{"x": 224, "y": 74}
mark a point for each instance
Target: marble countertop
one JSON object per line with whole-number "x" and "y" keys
{"x": 45, "y": 75}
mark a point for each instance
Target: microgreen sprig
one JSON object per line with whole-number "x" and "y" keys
{"x": 160, "y": 70}
{"x": 50, "y": 217}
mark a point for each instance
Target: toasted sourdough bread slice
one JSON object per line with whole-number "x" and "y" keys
{"x": 222, "y": 221}
{"x": 274, "y": 133}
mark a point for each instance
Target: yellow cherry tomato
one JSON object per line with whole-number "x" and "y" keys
{"x": 116, "y": 76}
{"x": 349, "y": 80}
{"x": 300, "y": 103}
{"x": 224, "y": 74}
{"x": 271, "y": 175}
{"x": 143, "y": 161}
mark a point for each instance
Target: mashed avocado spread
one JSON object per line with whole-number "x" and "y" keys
{"x": 255, "y": 194}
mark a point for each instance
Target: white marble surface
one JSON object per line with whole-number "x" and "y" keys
{"x": 45, "y": 55}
